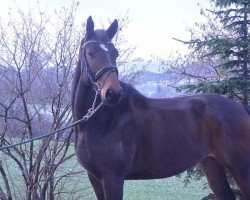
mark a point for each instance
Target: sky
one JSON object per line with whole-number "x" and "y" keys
{"x": 154, "y": 23}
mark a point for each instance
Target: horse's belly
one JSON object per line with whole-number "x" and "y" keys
{"x": 161, "y": 170}
{"x": 146, "y": 175}
{"x": 165, "y": 160}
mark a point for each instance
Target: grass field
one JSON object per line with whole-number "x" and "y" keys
{"x": 162, "y": 189}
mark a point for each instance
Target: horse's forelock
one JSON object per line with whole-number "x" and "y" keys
{"x": 101, "y": 35}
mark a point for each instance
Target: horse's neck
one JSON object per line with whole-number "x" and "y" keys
{"x": 84, "y": 98}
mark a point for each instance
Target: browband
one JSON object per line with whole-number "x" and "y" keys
{"x": 94, "y": 41}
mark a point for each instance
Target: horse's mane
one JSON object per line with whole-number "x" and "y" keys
{"x": 128, "y": 89}
{"x": 133, "y": 97}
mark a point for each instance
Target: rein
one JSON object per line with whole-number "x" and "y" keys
{"x": 83, "y": 120}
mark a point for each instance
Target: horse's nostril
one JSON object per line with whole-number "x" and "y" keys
{"x": 112, "y": 97}
{"x": 109, "y": 95}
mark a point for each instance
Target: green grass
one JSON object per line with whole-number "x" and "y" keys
{"x": 162, "y": 189}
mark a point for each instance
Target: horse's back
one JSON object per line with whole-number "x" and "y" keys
{"x": 202, "y": 125}
{"x": 229, "y": 118}
{"x": 215, "y": 105}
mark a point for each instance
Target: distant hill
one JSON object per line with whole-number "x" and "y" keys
{"x": 151, "y": 81}
{"x": 149, "y": 76}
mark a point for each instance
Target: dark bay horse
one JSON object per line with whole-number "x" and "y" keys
{"x": 135, "y": 137}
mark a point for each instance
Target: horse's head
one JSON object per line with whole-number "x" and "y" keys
{"x": 98, "y": 62}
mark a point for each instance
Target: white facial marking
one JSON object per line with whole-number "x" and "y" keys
{"x": 104, "y": 47}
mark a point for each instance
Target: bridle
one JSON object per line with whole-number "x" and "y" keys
{"x": 104, "y": 70}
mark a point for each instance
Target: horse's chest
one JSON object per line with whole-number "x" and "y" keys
{"x": 96, "y": 156}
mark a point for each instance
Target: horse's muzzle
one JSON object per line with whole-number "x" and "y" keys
{"x": 113, "y": 97}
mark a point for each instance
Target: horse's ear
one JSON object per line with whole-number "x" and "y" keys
{"x": 90, "y": 27}
{"x": 111, "y": 31}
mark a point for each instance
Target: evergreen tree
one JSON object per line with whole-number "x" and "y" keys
{"x": 231, "y": 48}
{"x": 220, "y": 59}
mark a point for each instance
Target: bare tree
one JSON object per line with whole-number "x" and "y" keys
{"x": 38, "y": 56}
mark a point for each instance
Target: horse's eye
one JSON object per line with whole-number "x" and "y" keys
{"x": 92, "y": 54}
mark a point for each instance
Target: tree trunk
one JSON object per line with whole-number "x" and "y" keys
{"x": 245, "y": 56}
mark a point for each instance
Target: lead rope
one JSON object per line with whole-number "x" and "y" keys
{"x": 92, "y": 110}
{"x": 84, "y": 119}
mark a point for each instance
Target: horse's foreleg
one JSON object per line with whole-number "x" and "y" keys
{"x": 97, "y": 185}
{"x": 217, "y": 180}
{"x": 113, "y": 187}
